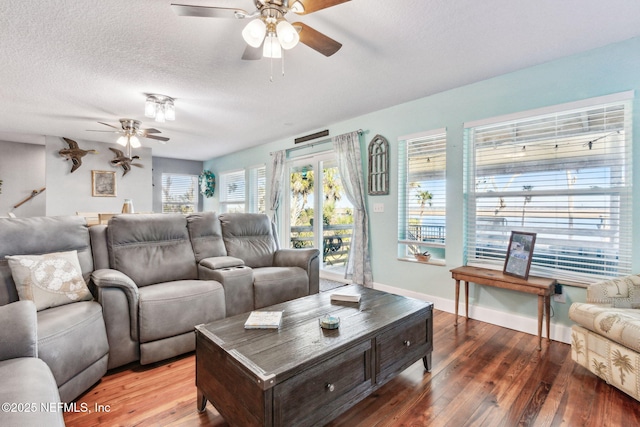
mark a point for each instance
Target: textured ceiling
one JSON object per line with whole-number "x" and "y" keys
{"x": 68, "y": 64}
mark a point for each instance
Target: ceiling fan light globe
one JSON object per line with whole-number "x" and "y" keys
{"x": 122, "y": 141}
{"x": 271, "y": 48}
{"x": 287, "y": 35}
{"x": 254, "y": 32}
{"x": 134, "y": 141}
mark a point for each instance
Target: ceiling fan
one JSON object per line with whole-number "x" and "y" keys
{"x": 130, "y": 131}
{"x": 270, "y": 32}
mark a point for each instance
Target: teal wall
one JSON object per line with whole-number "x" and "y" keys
{"x": 612, "y": 69}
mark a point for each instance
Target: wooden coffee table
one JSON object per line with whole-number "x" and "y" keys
{"x": 302, "y": 374}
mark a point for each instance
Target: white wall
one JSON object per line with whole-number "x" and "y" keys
{"x": 22, "y": 170}
{"x": 68, "y": 193}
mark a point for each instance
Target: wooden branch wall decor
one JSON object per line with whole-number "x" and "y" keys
{"x": 378, "y": 166}
{"x": 33, "y": 194}
{"x": 74, "y": 153}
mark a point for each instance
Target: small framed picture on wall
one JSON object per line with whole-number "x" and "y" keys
{"x": 519, "y": 254}
{"x": 103, "y": 183}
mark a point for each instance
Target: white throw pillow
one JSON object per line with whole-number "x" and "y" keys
{"x": 49, "y": 280}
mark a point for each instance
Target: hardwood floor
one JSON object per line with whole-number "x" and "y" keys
{"x": 483, "y": 375}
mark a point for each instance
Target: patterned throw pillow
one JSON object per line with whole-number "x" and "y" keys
{"x": 49, "y": 280}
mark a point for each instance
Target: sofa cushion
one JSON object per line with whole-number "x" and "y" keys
{"x": 621, "y": 325}
{"x": 173, "y": 308}
{"x": 205, "y": 232}
{"x": 151, "y": 248}
{"x": 49, "y": 280}
{"x": 71, "y": 338}
{"x": 249, "y": 237}
{"x": 41, "y": 235}
{"x": 28, "y": 381}
{"x": 273, "y": 285}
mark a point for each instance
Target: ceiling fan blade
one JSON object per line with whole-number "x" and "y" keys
{"x": 311, "y": 6}
{"x": 111, "y": 126}
{"x": 151, "y": 130}
{"x": 158, "y": 138}
{"x": 109, "y": 131}
{"x": 316, "y": 40}
{"x": 208, "y": 11}
{"x": 252, "y": 53}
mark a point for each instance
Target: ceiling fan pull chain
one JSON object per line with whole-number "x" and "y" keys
{"x": 271, "y": 73}
{"x": 282, "y": 62}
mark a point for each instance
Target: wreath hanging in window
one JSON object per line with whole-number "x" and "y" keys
{"x": 207, "y": 183}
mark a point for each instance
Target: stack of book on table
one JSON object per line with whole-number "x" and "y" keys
{"x": 264, "y": 320}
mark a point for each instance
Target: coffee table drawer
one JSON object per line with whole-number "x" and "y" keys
{"x": 324, "y": 391}
{"x": 401, "y": 346}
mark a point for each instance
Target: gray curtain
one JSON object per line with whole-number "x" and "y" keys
{"x": 347, "y": 148}
{"x": 277, "y": 176}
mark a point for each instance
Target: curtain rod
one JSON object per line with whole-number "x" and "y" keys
{"x": 311, "y": 144}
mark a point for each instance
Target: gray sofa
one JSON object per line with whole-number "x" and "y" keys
{"x": 154, "y": 276}
{"x": 27, "y": 385}
{"x": 71, "y": 338}
{"x": 159, "y": 275}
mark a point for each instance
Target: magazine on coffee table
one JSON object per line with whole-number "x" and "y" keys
{"x": 264, "y": 320}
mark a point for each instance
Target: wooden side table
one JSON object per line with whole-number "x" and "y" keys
{"x": 540, "y": 286}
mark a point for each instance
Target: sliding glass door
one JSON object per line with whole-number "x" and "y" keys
{"x": 320, "y": 215}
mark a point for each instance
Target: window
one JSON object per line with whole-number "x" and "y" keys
{"x": 564, "y": 175}
{"x": 239, "y": 194}
{"x": 179, "y": 193}
{"x": 232, "y": 191}
{"x": 257, "y": 189}
{"x": 422, "y": 194}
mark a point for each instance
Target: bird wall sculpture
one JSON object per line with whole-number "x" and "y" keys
{"x": 123, "y": 161}
{"x": 74, "y": 153}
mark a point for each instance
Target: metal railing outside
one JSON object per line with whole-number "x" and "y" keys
{"x": 336, "y": 241}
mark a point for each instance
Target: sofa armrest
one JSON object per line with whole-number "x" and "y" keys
{"x": 108, "y": 278}
{"x": 218, "y": 262}
{"x": 621, "y": 292}
{"x": 19, "y": 335}
{"x": 307, "y": 259}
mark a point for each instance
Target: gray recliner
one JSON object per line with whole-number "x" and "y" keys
{"x": 25, "y": 379}
{"x": 71, "y": 338}
{"x": 149, "y": 288}
{"x": 241, "y": 251}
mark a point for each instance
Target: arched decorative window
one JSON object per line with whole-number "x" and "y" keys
{"x": 378, "y": 166}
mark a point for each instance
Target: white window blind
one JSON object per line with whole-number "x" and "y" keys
{"x": 179, "y": 193}
{"x": 422, "y": 193}
{"x": 565, "y": 176}
{"x": 232, "y": 191}
{"x": 257, "y": 191}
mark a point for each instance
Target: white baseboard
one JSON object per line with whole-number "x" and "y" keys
{"x": 516, "y": 322}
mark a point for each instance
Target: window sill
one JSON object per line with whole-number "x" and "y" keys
{"x": 432, "y": 261}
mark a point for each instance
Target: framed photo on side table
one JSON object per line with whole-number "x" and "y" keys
{"x": 103, "y": 183}
{"x": 519, "y": 254}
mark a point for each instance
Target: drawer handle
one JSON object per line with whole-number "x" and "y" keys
{"x": 407, "y": 343}
{"x": 330, "y": 387}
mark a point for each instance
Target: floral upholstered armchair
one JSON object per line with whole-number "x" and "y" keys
{"x": 606, "y": 338}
